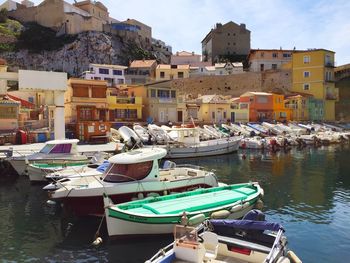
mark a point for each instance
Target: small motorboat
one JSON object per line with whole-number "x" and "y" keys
{"x": 130, "y": 175}
{"x": 159, "y": 215}
{"x": 250, "y": 240}
{"x": 55, "y": 151}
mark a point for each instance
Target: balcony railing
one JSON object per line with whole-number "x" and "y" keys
{"x": 329, "y": 64}
{"x": 331, "y": 96}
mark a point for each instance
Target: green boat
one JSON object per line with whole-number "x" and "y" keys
{"x": 158, "y": 215}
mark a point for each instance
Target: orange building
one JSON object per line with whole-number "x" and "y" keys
{"x": 265, "y": 106}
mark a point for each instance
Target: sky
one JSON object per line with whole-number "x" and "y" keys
{"x": 273, "y": 23}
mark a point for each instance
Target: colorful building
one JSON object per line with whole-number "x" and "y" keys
{"x": 209, "y": 109}
{"x": 161, "y": 102}
{"x": 299, "y": 106}
{"x": 124, "y": 106}
{"x": 267, "y": 59}
{"x": 313, "y": 73}
{"x": 280, "y": 111}
{"x": 169, "y": 72}
{"x": 239, "y": 111}
{"x": 141, "y": 72}
{"x": 113, "y": 74}
{"x": 260, "y": 105}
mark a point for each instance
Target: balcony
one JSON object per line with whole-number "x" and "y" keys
{"x": 128, "y": 100}
{"x": 331, "y": 96}
{"x": 330, "y": 64}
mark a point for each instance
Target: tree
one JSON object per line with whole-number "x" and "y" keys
{"x": 3, "y": 15}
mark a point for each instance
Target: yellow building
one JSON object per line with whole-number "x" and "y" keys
{"x": 280, "y": 112}
{"x": 209, "y": 109}
{"x": 124, "y": 107}
{"x": 313, "y": 73}
{"x": 299, "y": 106}
{"x": 168, "y": 72}
{"x": 239, "y": 111}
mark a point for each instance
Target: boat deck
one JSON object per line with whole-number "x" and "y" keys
{"x": 193, "y": 202}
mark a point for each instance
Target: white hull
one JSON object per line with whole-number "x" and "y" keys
{"x": 206, "y": 148}
{"x": 118, "y": 227}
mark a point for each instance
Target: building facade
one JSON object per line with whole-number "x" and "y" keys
{"x": 64, "y": 17}
{"x": 169, "y": 72}
{"x": 313, "y": 73}
{"x": 268, "y": 59}
{"x": 185, "y": 58}
{"x": 144, "y": 31}
{"x": 141, "y": 72}
{"x": 124, "y": 106}
{"x": 113, "y": 74}
{"x": 225, "y": 41}
{"x": 239, "y": 111}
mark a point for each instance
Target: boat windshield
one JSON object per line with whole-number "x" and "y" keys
{"x": 117, "y": 173}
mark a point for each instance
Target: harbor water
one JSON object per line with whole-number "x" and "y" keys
{"x": 307, "y": 190}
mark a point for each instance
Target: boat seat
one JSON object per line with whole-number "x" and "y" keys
{"x": 211, "y": 244}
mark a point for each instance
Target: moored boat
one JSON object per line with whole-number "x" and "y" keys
{"x": 221, "y": 241}
{"x": 58, "y": 151}
{"x": 158, "y": 215}
{"x": 130, "y": 175}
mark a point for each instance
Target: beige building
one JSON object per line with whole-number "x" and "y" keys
{"x": 168, "y": 72}
{"x": 185, "y": 58}
{"x": 141, "y": 71}
{"x": 145, "y": 31}
{"x": 265, "y": 59}
{"x": 225, "y": 41}
{"x": 163, "y": 103}
{"x": 209, "y": 108}
{"x": 64, "y": 17}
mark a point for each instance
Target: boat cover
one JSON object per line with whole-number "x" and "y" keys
{"x": 103, "y": 167}
{"x": 246, "y": 224}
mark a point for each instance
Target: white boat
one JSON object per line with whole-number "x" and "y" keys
{"x": 133, "y": 174}
{"x": 70, "y": 174}
{"x": 239, "y": 129}
{"x": 273, "y": 128}
{"x": 59, "y": 151}
{"x": 255, "y": 142}
{"x": 250, "y": 129}
{"x": 142, "y": 133}
{"x": 228, "y": 241}
{"x": 130, "y": 138}
{"x": 214, "y": 132}
{"x": 160, "y": 135}
{"x": 188, "y": 144}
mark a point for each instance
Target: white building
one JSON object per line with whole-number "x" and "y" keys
{"x": 219, "y": 69}
{"x": 113, "y": 74}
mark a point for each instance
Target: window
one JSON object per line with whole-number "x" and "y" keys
{"x": 117, "y": 72}
{"x": 162, "y": 74}
{"x": 173, "y": 94}
{"x": 262, "y": 99}
{"x": 120, "y": 81}
{"x": 306, "y": 59}
{"x": 128, "y": 172}
{"x": 104, "y": 71}
{"x": 243, "y": 106}
{"x": 261, "y": 67}
{"x": 262, "y": 54}
{"x": 283, "y": 115}
{"x": 328, "y": 76}
{"x": 286, "y": 55}
{"x": 274, "y": 66}
{"x": 306, "y": 74}
{"x": 97, "y": 78}
{"x": 228, "y": 34}
{"x": 31, "y": 99}
{"x": 274, "y": 55}
{"x": 153, "y": 93}
{"x": 213, "y": 115}
{"x": 180, "y": 75}
{"x": 306, "y": 86}
{"x": 163, "y": 93}
{"x": 228, "y": 43}
{"x": 85, "y": 113}
{"x": 225, "y": 115}
{"x": 61, "y": 148}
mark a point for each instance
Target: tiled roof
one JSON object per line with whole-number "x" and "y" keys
{"x": 142, "y": 63}
{"x": 249, "y": 93}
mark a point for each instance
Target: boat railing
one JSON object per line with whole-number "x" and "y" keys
{"x": 191, "y": 166}
{"x": 161, "y": 253}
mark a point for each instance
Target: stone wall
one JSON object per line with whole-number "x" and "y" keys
{"x": 235, "y": 85}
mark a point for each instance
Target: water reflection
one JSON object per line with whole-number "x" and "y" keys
{"x": 307, "y": 190}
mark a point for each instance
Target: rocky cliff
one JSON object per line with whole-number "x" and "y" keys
{"x": 74, "y": 57}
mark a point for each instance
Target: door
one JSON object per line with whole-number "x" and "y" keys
{"x": 233, "y": 119}
{"x": 161, "y": 116}
{"x": 179, "y": 116}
